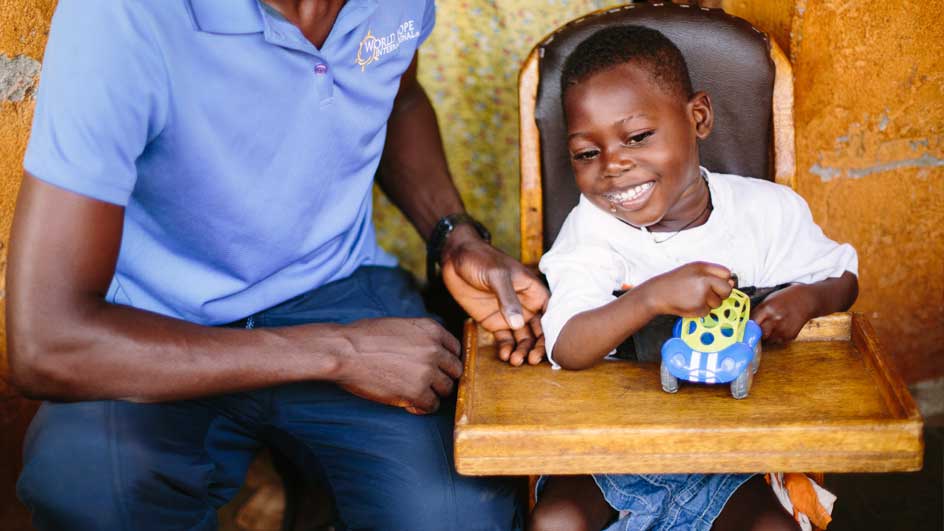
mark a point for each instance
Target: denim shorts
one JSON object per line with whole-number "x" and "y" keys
{"x": 689, "y": 502}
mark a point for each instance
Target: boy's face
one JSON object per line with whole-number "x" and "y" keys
{"x": 633, "y": 147}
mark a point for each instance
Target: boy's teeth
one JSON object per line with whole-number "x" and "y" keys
{"x": 630, "y": 194}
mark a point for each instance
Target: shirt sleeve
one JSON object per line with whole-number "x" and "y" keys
{"x": 799, "y": 251}
{"x": 429, "y": 20}
{"x": 102, "y": 97}
{"x": 581, "y": 278}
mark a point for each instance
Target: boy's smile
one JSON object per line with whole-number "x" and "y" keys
{"x": 633, "y": 147}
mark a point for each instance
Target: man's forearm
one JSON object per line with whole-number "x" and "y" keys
{"x": 117, "y": 352}
{"x": 413, "y": 171}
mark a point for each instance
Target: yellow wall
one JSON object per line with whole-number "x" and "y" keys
{"x": 869, "y": 85}
{"x": 469, "y": 67}
{"x": 24, "y": 25}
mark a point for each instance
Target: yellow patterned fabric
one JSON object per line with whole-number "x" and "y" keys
{"x": 469, "y": 67}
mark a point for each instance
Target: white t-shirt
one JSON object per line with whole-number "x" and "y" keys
{"x": 761, "y": 231}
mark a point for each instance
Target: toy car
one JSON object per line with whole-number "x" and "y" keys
{"x": 723, "y": 346}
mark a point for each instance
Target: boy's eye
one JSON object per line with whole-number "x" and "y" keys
{"x": 588, "y": 154}
{"x": 636, "y": 139}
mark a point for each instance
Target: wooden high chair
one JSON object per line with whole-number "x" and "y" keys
{"x": 830, "y": 401}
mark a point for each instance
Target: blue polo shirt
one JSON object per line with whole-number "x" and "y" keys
{"x": 244, "y": 156}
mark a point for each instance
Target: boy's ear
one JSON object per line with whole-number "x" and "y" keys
{"x": 703, "y": 118}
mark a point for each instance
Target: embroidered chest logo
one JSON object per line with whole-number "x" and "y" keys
{"x": 372, "y": 47}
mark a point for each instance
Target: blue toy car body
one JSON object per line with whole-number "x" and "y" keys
{"x": 735, "y": 360}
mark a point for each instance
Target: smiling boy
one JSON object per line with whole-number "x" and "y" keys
{"x": 651, "y": 217}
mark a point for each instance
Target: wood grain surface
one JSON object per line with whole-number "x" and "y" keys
{"x": 532, "y": 224}
{"x": 784, "y": 142}
{"x": 824, "y": 403}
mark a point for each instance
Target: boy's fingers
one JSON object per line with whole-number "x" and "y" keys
{"x": 720, "y": 287}
{"x": 500, "y": 282}
{"x": 713, "y": 299}
{"x": 761, "y": 317}
{"x": 716, "y": 270}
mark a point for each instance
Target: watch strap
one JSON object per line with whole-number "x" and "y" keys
{"x": 437, "y": 240}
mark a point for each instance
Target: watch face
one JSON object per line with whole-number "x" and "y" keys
{"x": 447, "y": 224}
{"x": 441, "y": 231}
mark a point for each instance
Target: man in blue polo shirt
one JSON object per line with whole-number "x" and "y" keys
{"x": 194, "y": 271}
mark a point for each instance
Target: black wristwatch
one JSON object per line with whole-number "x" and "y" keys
{"x": 437, "y": 240}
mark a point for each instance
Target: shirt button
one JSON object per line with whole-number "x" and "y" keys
{"x": 321, "y": 68}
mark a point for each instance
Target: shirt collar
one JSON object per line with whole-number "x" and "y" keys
{"x": 227, "y": 16}
{"x": 355, "y": 12}
{"x": 245, "y": 16}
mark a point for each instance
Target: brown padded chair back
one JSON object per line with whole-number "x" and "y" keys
{"x": 726, "y": 57}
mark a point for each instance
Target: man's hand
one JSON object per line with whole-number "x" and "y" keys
{"x": 499, "y": 293}
{"x": 782, "y": 314}
{"x": 409, "y": 363}
{"x": 493, "y": 288}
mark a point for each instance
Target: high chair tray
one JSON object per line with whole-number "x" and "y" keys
{"x": 828, "y": 402}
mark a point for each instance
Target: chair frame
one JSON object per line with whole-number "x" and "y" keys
{"x": 531, "y": 198}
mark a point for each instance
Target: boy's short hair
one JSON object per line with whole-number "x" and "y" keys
{"x": 647, "y": 48}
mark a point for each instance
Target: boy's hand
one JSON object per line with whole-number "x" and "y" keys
{"x": 782, "y": 315}
{"x": 689, "y": 291}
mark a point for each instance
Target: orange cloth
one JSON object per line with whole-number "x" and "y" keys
{"x": 805, "y": 499}
{"x": 809, "y": 503}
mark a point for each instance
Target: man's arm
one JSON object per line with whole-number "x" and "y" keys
{"x": 494, "y": 288}
{"x": 65, "y": 342}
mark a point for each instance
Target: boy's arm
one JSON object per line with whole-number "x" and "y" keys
{"x": 822, "y": 271}
{"x": 783, "y": 313}
{"x": 690, "y": 290}
{"x": 589, "y": 336}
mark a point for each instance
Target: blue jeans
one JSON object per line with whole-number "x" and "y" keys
{"x": 665, "y": 502}
{"x": 114, "y": 465}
